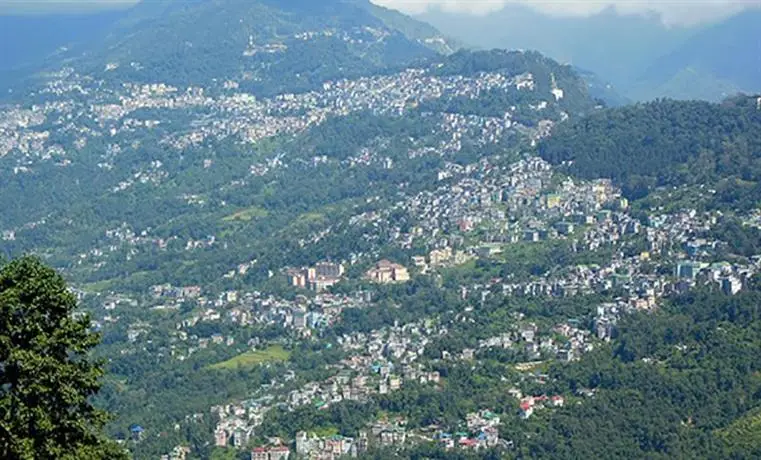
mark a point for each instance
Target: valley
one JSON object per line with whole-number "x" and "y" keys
{"x": 325, "y": 231}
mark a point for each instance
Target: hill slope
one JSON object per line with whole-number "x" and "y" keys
{"x": 270, "y": 46}
{"x": 183, "y": 161}
{"x": 665, "y": 143}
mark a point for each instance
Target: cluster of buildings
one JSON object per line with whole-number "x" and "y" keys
{"x": 368, "y": 370}
{"x": 529, "y": 404}
{"x": 329, "y": 447}
{"x": 385, "y": 433}
{"x": 386, "y": 272}
{"x": 318, "y": 278}
{"x": 271, "y": 453}
{"x": 236, "y": 310}
{"x": 482, "y": 433}
{"x": 235, "y": 113}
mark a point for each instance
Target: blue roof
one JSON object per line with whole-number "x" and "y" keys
{"x": 136, "y": 429}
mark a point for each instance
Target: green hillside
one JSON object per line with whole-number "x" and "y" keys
{"x": 663, "y": 143}
{"x": 271, "y": 46}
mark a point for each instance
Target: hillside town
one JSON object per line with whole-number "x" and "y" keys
{"x": 488, "y": 213}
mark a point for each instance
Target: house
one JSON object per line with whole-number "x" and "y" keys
{"x": 565, "y": 228}
{"x": 731, "y": 285}
{"x": 419, "y": 262}
{"x": 297, "y": 278}
{"x": 386, "y": 272}
{"x": 136, "y": 431}
{"x": 527, "y": 409}
{"x": 688, "y": 270}
{"x": 531, "y": 236}
{"x": 467, "y": 443}
{"x": 318, "y": 278}
{"x": 440, "y": 256}
{"x": 271, "y": 453}
{"x": 279, "y": 453}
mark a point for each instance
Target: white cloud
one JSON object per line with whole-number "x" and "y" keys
{"x": 672, "y": 11}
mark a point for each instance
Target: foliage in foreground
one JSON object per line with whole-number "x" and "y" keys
{"x": 46, "y": 375}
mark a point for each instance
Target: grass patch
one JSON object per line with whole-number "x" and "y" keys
{"x": 274, "y": 353}
{"x": 247, "y": 215}
{"x": 745, "y": 431}
{"x": 325, "y": 431}
{"x": 99, "y": 286}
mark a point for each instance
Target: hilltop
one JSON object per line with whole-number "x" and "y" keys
{"x": 267, "y": 46}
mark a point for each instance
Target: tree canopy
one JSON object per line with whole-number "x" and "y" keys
{"x": 46, "y": 375}
{"x": 664, "y": 143}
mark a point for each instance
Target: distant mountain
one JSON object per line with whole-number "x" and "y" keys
{"x": 717, "y": 62}
{"x": 639, "y": 55}
{"x": 272, "y": 46}
{"x": 615, "y": 46}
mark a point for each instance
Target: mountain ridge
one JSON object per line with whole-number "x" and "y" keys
{"x": 274, "y": 45}
{"x": 643, "y": 58}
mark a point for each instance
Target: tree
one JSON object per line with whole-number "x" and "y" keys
{"x": 46, "y": 374}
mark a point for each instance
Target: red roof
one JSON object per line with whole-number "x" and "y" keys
{"x": 525, "y": 405}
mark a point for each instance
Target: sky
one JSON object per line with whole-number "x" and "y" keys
{"x": 48, "y": 6}
{"x": 684, "y": 12}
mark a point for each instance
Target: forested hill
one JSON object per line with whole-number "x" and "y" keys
{"x": 681, "y": 383}
{"x": 663, "y": 143}
{"x": 557, "y": 86}
{"x": 267, "y": 46}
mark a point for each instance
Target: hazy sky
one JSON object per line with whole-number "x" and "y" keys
{"x": 672, "y": 11}
{"x": 43, "y": 6}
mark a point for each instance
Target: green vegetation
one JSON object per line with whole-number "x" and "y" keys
{"x": 274, "y": 353}
{"x": 744, "y": 432}
{"x": 247, "y": 214}
{"x": 679, "y": 383}
{"x": 47, "y": 376}
{"x": 667, "y": 143}
{"x": 198, "y": 42}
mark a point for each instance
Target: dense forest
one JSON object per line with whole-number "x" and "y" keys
{"x": 664, "y": 143}
{"x": 679, "y": 383}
